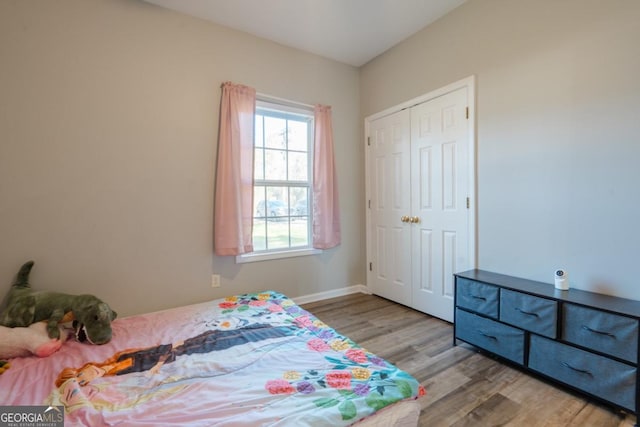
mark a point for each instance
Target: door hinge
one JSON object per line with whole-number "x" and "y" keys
{"x": 370, "y": 266}
{"x": 368, "y": 140}
{"x": 468, "y": 203}
{"x": 467, "y": 112}
{"x": 369, "y": 203}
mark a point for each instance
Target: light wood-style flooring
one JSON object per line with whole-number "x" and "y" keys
{"x": 464, "y": 387}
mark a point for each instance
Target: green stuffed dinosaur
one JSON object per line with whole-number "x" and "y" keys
{"x": 25, "y": 306}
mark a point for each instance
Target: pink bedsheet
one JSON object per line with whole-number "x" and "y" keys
{"x": 252, "y": 359}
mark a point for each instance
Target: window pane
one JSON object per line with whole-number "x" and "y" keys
{"x": 277, "y": 234}
{"x": 275, "y": 132}
{"x": 259, "y": 235}
{"x": 258, "y": 165}
{"x": 258, "y": 136}
{"x": 275, "y": 164}
{"x": 277, "y": 202}
{"x": 298, "y": 166}
{"x": 259, "y": 197}
{"x": 299, "y": 232}
{"x": 298, "y": 133}
{"x": 299, "y": 197}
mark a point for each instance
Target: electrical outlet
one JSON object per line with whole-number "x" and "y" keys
{"x": 215, "y": 280}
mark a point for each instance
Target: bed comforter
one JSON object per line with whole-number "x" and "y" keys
{"x": 251, "y": 359}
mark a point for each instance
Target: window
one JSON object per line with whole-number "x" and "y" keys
{"x": 282, "y": 182}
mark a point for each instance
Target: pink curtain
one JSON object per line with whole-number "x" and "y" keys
{"x": 326, "y": 210}
{"x": 233, "y": 225}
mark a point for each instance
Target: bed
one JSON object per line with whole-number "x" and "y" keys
{"x": 251, "y": 359}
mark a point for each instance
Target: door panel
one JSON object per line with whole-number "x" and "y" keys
{"x": 445, "y": 217}
{"x": 425, "y": 179}
{"x": 426, "y": 258}
{"x": 449, "y": 176}
{"x": 389, "y": 179}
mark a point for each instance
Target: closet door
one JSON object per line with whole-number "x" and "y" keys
{"x": 439, "y": 191}
{"x": 389, "y": 188}
{"x": 420, "y": 188}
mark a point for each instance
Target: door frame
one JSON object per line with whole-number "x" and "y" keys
{"x": 470, "y": 84}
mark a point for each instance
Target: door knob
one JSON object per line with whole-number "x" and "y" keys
{"x": 404, "y": 218}
{"x": 414, "y": 220}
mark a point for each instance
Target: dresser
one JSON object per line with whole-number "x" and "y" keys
{"x": 582, "y": 340}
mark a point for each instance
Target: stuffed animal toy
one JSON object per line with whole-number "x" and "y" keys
{"x": 21, "y": 342}
{"x": 26, "y": 306}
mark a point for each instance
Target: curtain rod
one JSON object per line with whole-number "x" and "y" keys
{"x": 265, "y": 97}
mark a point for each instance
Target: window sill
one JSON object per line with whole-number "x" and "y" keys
{"x": 264, "y": 256}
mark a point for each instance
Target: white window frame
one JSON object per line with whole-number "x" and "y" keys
{"x": 287, "y": 108}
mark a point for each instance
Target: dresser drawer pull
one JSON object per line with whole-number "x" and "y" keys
{"x": 528, "y": 313}
{"x": 486, "y": 335}
{"x": 478, "y": 297}
{"x": 595, "y": 331}
{"x": 581, "y": 371}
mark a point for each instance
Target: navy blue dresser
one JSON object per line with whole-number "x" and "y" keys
{"x": 582, "y": 340}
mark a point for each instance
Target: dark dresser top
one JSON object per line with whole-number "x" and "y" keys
{"x": 576, "y": 296}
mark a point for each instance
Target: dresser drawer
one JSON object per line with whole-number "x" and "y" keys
{"x": 605, "y": 332}
{"x": 535, "y": 314}
{"x": 597, "y": 375}
{"x": 478, "y": 297}
{"x": 495, "y": 337}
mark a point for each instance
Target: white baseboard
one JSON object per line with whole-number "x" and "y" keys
{"x": 304, "y": 299}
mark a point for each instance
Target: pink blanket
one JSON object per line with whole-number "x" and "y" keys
{"x": 252, "y": 359}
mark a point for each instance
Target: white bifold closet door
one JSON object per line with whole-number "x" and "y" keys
{"x": 419, "y": 210}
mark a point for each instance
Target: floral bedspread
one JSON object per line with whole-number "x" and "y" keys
{"x": 251, "y": 359}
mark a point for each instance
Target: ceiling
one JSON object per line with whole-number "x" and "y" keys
{"x": 349, "y": 31}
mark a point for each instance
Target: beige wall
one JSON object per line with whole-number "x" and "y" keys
{"x": 109, "y": 118}
{"x": 108, "y": 129}
{"x": 558, "y": 125}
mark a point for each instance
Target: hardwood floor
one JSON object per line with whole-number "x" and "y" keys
{"x": 464, "y": 387}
